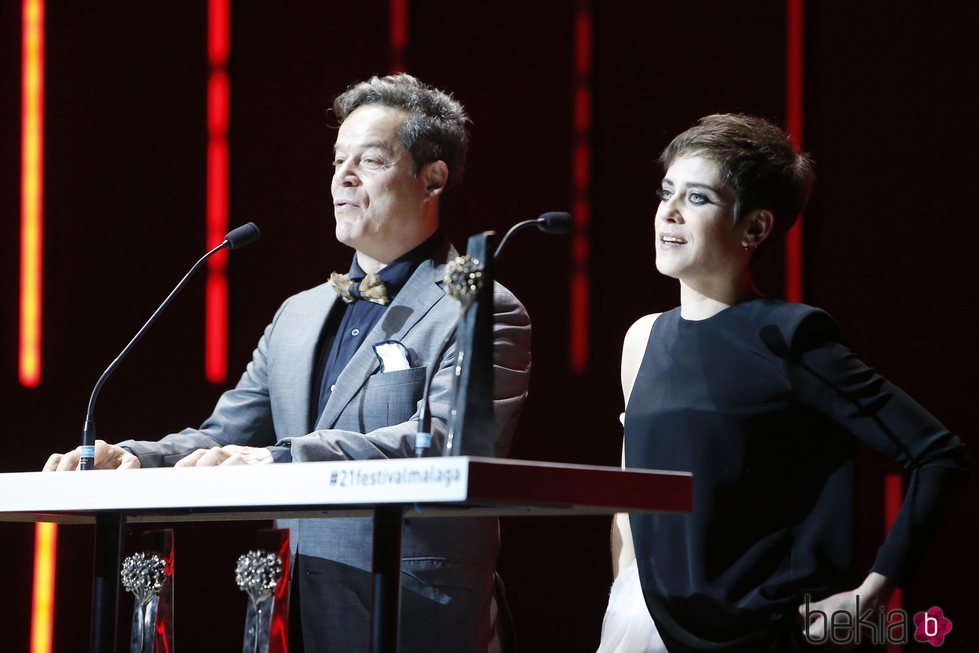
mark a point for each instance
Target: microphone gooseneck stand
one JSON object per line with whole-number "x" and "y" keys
{"x": 109, "y": 526}
{"x": 235, "y": 239}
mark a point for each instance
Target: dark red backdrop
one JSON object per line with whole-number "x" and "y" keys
{"x": 890, "y": 238}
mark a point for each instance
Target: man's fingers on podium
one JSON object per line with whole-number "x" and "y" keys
{"x": 256, "y": 456}
{"x": 218, "y": 455}
{"x": 129, "y": 461}
{"x": 52, "y": 463}
{"x": 213, "y": 457}
{"x": 107, "y": 456}
{"x": 191, "y": 459}
{"x": 111, "y": 456}
{"x": 69, "y": 461}
{"x": 233, "y": 459}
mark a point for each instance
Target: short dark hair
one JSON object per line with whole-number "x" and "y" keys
{"x": 437, "y": 123}
{"x": 757, "y": 161}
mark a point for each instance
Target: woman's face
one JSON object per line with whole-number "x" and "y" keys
{"x": 696, "y": 238}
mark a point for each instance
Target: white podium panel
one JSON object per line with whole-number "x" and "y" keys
{"x": 440, "y": 486}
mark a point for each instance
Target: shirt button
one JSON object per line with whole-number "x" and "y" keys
{"x": 355, "y": 332}
{"x": 333, "y": 387}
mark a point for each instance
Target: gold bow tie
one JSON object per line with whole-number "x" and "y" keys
{"x": 370, "y": 288}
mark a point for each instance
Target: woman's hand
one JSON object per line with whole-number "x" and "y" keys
{"x": 817, "y": 617}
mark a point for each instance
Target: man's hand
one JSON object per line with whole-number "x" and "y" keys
{"x": 876, "y": 590}
{"x": 230, "y": 454}
{"x": 107, "y": 456}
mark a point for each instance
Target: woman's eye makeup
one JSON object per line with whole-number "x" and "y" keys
{"x": 695, "y": 198}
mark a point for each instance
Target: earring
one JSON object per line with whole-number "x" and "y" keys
{"x": 748, "y": 246}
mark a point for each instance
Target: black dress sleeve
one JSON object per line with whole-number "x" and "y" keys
{"x": 828, "y": 377}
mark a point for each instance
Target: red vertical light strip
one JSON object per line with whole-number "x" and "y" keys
{"x": 31, "y": 191}
{"x": 399, "y": 35}
{"x": 893, "y": 498}
{"x": 42, "y": 611}
{"x": 581, "y": 186}
{"x": 218, "y": 115}
{"x": 794, "y": 68}
{"x": 31, "y": 248}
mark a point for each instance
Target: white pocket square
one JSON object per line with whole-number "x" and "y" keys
{"x": 392, "y": 355}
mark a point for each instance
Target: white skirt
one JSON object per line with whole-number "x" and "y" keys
{"x": 627, "y": 627}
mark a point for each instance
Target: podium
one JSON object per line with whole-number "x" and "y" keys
{"x": 387, "y": 490}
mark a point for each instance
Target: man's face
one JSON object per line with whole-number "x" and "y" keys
{"x": 376, "y": 199}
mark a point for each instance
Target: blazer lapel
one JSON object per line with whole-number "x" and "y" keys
{"x": 316, "y": 308}
{"x": 415, "y": 299}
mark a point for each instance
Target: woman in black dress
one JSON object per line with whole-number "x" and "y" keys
{"x": 763, "y": 401}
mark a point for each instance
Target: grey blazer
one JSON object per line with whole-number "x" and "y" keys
{"x": 368, "y": 415}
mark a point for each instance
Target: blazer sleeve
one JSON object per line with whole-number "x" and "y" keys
{"x": 242, "y": 415}
{"x": 511, "y": 376}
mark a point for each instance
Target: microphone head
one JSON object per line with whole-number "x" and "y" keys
{"x": 555, "y": 222}
{"x": 246, "y": 234}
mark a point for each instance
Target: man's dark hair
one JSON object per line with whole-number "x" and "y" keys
{"x": 757, "y": 161}
{"x": 436, "y": 128}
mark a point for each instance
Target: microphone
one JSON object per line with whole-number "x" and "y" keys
{"x": 238, "y": 237}
{"x": 552, "y": 222}
{"x": 235, "y": 239}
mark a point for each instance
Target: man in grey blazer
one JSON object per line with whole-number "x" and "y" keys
{"x": 313, "y": 390}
